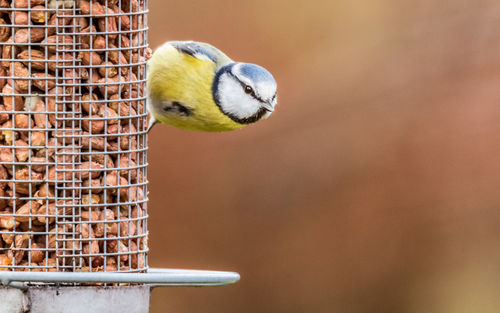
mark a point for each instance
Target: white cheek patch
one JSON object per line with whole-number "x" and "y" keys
{"x": 233, "y": 100}
{"x": 266, "y": 90}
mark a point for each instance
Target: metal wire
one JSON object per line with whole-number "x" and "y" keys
{"x": 73, "y": 149}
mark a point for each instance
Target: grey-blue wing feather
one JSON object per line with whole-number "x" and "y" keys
{"x": 198, "y": 49}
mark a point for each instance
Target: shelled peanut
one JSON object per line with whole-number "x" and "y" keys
{"x": 71, "y": 124}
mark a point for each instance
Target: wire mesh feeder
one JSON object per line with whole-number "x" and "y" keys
{"x": 73, "y": 150}
{"x": 73, "y": 141}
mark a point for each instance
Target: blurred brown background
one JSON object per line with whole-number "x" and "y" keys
{"x": 375, "y": 185}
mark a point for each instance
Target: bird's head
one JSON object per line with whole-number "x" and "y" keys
{"x": 244, "y": 92}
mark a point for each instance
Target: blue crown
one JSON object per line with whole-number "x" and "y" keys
{"x": 256, "y": 73}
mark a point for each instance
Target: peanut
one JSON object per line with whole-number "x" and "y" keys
{"x": 117, "y": 57}
{"x": 3, "y": 73}
{"x": 11, "y": 102}
{"x": 3, "y": 172}
{"x": 47, "y": 211}
{"x": 44, "y": 191}
{"x": 8, "y": 238}
{"x": 93, "y": 125}
{"x": 94, "y": 143}
{"x": 21, "y": 121}
{"x": 128, "y": 166}
{"x": 34, "y": 58}
{"x": 87, "y": 103}
{"x": 22, "y": 83}
{"x": 94, "y": 185}
{"x": 86, "y": 231}
{"x": 36, "y": 253}
{"x": 108, "y": 25}
{"x": 108, "y": 70}
{"x": 5, "y": 262}
{"x": 123, "y": 249}
{"x": 22, "y": 154}
{"x": 55, "y": 62}
{"x": 109, "y": 114}
{"x": 37, "y": 14}
{"x": 20, "y": 18}
{"x": 21, "y": 4}
{"x": 86, "y": 38}
{"x": 100, "y": 43}
{"x": 27, "y": 181}
{"x": 7, "y": 133}
{"x": 7, "y": 222}
{"x": 26, "y": 210}
{"x": 92, "y": 248}
{"x": 111, "y": 85}
{"x": 7, "y": 53}
{"x": 90, "y": 58}
{"x": 4, "y": 31}
{"x": 38, "y": 138}
{"x": 44, "y": 81}
{"x": 55, "y": 20}
{"x": 90, "y": 169}
{"x": 25, "y": 35}
{"x": 90, "y": 216}
{"x": 40, "y": 117}
{"x": 124, "y": 21}
{"x": 3, "y": 201}
{"x": 51, "y": 264}
{"x": 112, "y": 130}
{"x": 6, "y": 156}
{"x": 101, "y": 158}
{"x": 127, "y": 229}
{"x": 93, "y": 8}
{"x": 54, "y": 41}
{"x": 18, "y": 248}
{"x": 106, "y": 227}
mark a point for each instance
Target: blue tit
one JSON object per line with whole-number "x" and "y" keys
{"x": 193, "y": 85}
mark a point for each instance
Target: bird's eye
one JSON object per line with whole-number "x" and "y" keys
{"x": 248, "y": 90}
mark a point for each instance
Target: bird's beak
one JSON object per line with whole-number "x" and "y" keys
{"x": 152, "y": 122}
{"x": 268, "y": 106}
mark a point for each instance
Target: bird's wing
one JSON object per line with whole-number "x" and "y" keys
{"x": 202, "y": 50}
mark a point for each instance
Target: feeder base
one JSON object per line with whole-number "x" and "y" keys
{"x": 53, "y": 299}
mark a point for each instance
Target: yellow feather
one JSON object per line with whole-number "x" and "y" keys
{"x": 176, "y": 76}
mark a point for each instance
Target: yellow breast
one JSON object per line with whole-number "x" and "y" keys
{"x": 175, "y": 76}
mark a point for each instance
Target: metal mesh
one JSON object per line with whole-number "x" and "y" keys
{"x": 73, "y": 194}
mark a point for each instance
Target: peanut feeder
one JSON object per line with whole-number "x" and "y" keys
{"x": 73, "y": 190}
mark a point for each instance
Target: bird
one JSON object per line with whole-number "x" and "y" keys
{"x": 195, "y": 86}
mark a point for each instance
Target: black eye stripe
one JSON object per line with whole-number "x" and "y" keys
{"x": 252, "y": 92}
{"x": 243, "y": 85}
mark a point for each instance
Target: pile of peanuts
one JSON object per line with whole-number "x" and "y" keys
{"x": 72, "y": 135}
